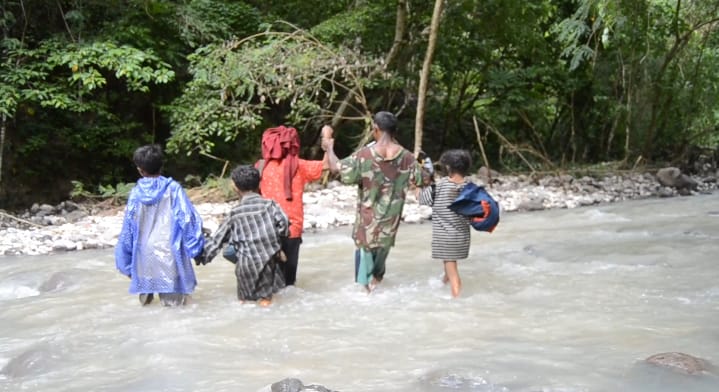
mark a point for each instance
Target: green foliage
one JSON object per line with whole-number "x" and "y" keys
{"x": 60, "y": 75}
{"x": 356, "y": 27}
{"x": 238, "y": 83}
{"x": 648, "y": 60}
{"x": 117, "y": 194}
{"x": 302, "y": 13}
{"x": 219, "y": 185}
{"x": 78, "y": 191}
{"x": 570, "y": 81}
{"x": 203, "y": 22}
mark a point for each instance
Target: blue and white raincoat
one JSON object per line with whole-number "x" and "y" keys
{"x": 161, "y": 233}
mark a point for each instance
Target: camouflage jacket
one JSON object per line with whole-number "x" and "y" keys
{"x": 382, "y": 187}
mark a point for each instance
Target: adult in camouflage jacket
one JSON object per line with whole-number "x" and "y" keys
{"x": 383, "y": 172}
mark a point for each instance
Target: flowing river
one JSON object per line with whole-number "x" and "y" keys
{"x": 552, "y": 301}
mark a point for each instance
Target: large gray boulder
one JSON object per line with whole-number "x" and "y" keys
{"x": 673, "y": 177}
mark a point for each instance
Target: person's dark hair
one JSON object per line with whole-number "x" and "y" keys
{"x": 386, "y": 122}
{"x": 456, "y": 161}
{"x": 149, "y": 159}
{"x": 246, "y": 178}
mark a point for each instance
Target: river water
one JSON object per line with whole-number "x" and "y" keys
{"x": 552, "y": 301}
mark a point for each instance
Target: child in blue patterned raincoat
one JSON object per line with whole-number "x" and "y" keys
{"x": 161, "y": 234}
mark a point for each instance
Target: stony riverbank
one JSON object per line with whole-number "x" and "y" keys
{"x": 71, "y": 226}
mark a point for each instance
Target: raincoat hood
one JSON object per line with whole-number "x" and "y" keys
{"x": 149, "y": 190}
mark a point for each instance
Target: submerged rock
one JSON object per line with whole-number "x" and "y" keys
{"x": 59, "y": 281}
{"x": 32, "y": 362}
{"x": 680, "y": 362}
{"x": 295, "y": 385}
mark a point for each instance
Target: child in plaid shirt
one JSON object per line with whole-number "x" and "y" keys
{"x": 255, "y": 228}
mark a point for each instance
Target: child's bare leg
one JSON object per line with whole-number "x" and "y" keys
{"x": 450, "y": 271}
{"x": 265, "y": 302}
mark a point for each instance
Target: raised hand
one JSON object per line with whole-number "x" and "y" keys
{"x": 327, "y": 132}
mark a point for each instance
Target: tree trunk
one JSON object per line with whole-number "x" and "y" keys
{"x": 400, "y": 28}
{"x": 2, "y": 144}
{"x": 399, "y": 32}
{"x": 424, "y": 76}
{"x": 4, "y": 116}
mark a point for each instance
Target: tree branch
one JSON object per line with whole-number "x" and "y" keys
{"x": 62, "y": 14}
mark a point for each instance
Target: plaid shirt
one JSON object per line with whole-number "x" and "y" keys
{"x": 254, "y": 227}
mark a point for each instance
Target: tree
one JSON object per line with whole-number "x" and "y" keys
{"x": 67, "y": 77}
{"x": 268, "y": 78}
{"x": 424, "y": 75}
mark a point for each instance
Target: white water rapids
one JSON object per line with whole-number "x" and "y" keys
{"x": 552, "y": 301}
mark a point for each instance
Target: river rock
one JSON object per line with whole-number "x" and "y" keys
{"x": 679, "y": 362}
{"x": 487, "y": 175}
{"x": 673, "y": 177}
{"x": 666, "y": 192}
{"x": 75, "y": 215}
{"x": 32, "y": 362}
{"x": 64, "y": 245}
{"x": 69, "y": 226}
{"x": 533, "y": 204}
{"x": 295, "y": 385}
{"x": 60, "y": 280}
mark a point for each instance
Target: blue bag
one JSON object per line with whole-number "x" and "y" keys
{"x": 230, "y": 254}
{"x": 474, "y": 201}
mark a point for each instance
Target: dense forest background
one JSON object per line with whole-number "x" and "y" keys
{"x": 543, "y": 84}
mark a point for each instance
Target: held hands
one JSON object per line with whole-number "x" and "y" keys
{"x": 327, "y": 141}
{"x": 328, "y": 144}
{"x": 327, "y": 132}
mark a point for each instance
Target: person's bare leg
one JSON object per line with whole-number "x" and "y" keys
{"x": 265, "y": 302}
{"x": 450, "y": 271}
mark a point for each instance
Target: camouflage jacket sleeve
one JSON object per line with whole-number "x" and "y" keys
{"x": 350, "y": 172}
{"x": 419, "y": 176}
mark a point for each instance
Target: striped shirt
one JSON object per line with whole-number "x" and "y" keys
{"x": 450, "y": 231}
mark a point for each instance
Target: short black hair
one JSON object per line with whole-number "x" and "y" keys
{"x": 456, "y": 161}
{"x": 149, "y": 159}
{"x": 386, "y": 122}
{"x": 246, "y": 178}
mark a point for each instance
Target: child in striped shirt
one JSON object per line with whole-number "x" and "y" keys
{"x": 450, "y": 231}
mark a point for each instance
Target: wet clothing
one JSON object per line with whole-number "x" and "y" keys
{"x": 255, "y": 227}
{"x": 272, "y": 186}
{"x": 283, "y": 143}
{"x": 370, "y": 263}
{"x": 450, "y": 231}
{"x": 383, "y": 184}
{"x": 160, "y": 235}
{"x": 291, "y": 247}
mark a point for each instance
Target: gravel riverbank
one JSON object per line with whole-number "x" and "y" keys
{"x": 45, "y": 229}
